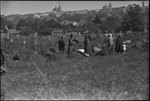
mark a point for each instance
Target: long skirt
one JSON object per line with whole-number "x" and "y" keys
{"x": 70, "y": 49}
{"x": 119, "y": 48}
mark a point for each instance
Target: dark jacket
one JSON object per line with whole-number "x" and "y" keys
{"x": 119, "y": 47}
{"x": 87, "y": 46}
{"x": 61, "y": 43}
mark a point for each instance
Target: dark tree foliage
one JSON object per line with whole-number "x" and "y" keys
{"x": 3, "y": 22}
{"x": 133, "y": 20}
{"x": 28, "y": 31}
{"x": 46, "y": 31}
{"x": 97, "y": 20}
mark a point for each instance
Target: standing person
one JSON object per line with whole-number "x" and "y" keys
{"x": 2, "y": 58}
{"x": 105, "y": 43}
{"x": 124, "y": 48}
{"x": 87, "y": 45}
{"x": 70, "y": 44}
{"x": 3, "y": 70}
{"x": 110, "y": 44}
{"x": 106, "y": 38}
{"x": 119, "y": 47}
{"x": 121, "y": 34}
{"x": 61, "y": 45}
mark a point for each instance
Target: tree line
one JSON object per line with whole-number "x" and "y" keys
{"x": 133, "y": 18}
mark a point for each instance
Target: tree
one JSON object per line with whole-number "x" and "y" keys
{"x": 132, "y": 19}
{"x": 97, "y": 20}
{"x": 20, "y": 24}
{"x": 110, "y": 23}
{"x": 3, "y": 22}
{"x": 51, "y": 23}
{"x": 46, "y": 31}
{"x": 28, "y": 31}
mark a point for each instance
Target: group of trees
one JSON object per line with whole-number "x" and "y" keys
{"x": 42, "y": 26}
{"x": 131, "y": 18}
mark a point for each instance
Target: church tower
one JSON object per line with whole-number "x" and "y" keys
{"x": 59, "y": 7}
{"x": 142, "y": 3}
{"x": 110, "y": 5}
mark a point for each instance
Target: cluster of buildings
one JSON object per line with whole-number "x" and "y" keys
{"x": 109, "y": 6}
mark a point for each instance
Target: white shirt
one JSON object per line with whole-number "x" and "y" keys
{"x": 124, "y": 47}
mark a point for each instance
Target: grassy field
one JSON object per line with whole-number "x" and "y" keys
{"x": 96, "y": 77}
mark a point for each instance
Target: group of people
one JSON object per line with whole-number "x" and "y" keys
{"x": 88, "y": 49}
{"x": 62, "y": 44}
{"x": 110, "y": 42}
{"x": 115, "y": 44}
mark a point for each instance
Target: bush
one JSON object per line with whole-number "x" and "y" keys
{"x": 46, "y": 31}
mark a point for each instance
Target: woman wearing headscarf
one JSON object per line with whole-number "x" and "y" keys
{"x": 61, "y": 45}
{"x": 119, "y": 42}
{"x": 87, "y": 45}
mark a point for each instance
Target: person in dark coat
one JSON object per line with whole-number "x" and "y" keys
{"x": 119, "y": 42}
{"x": 3, "y": 70}
{"x": 61, "y": 45}
{"x": 70, "y": 44}
{"x": 87, "y": 45}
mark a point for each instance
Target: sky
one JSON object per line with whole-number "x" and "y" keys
{"x": 26, "y": 7}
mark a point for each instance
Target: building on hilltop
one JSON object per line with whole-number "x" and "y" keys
{"x": 110, "y": 5}
{"x": 107, "y": 7}
{"x": 57, "y": 9}
{"x": 142, "y": 3}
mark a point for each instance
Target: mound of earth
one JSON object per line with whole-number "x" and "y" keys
{"x": 103, "y": 52}
{"x": 75, "y": 55}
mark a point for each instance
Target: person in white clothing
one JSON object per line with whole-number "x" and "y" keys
{"x": 124, "y": 48}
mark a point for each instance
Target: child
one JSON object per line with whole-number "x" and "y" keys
{"x": 124, "y": 48}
